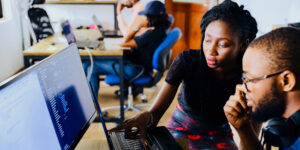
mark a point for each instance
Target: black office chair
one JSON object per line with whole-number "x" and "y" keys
{"x": 160, "y": 63}
{"x": 40, "y": 21}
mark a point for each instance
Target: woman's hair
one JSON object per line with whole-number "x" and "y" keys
{"x": 158, "y": 20}
{"x": 235, "y": 16}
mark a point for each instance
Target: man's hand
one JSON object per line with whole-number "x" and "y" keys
{"x": 236, "y": 109}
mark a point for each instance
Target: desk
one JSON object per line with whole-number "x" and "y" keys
{"x": 58, "y": 42}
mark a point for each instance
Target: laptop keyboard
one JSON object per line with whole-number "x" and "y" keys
{"x": 130, "y": 144}
{"x": 89, "y": 44}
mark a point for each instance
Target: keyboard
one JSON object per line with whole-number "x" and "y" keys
{"x": 88, "y": 44}
{"x": 130, "y": 144}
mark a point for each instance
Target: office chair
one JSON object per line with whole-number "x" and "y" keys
{"x": 160, "y": 63}
{"x": 40, "y": 21}
{"x": 171, "y": 19}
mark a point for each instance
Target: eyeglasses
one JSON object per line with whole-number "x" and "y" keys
{"x": 246, "y": 80}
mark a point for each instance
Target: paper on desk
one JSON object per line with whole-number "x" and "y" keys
{"x": 114, "y": 43}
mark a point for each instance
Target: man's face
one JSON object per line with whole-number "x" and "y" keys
{"x": 263, "y": 97}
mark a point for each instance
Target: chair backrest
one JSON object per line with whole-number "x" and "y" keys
{"x": 162, "y": 53}
{"x": 171, "y": 19}
{"x": 40, "y": 21}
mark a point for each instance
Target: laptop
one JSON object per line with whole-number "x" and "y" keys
{"x": 66, "y": 27}
{"x": 50, "y": 106}
{"x": 106, "y": 33}
{"x": 158, "y": 138}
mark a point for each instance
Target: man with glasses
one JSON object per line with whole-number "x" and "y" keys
{"x": 270, "y": 92}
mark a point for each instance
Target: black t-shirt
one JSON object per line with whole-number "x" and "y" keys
{"x": 198, "y": 95}
{"x": 146, "y": 46}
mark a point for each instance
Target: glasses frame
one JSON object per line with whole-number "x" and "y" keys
{"x": 246, "y": 80}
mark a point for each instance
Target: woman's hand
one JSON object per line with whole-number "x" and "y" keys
{"x": 139, "y": 122}
{"x": 236, "y": 109}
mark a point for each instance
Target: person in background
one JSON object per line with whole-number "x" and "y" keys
{"x": 271, "y": 92}
{"x": 137, "y": 23}
{"x": 143, "y": 46}
{"x": 208, "y": 77}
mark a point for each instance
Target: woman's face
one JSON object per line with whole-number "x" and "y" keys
{"x": 221, "y": 45}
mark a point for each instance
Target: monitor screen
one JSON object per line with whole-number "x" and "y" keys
{"x": 48, "y": 106}
{"x": 1, "y": 10}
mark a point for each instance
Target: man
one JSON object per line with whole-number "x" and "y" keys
{"x": 137, "y": 21}
{"x": 271, "y": 66}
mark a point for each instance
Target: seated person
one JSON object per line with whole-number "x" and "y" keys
{"x": 127, "y": 28}
{"x": 208, "y": 77}
{"x": 271, "y": 90}
{"x": 143, "y": 46}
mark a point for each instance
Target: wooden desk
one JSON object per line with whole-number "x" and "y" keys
{"x": 58, "y": 42}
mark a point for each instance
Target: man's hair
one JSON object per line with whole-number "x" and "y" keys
{"x": 281, "y": 47}
{"x": 235, "y": 16}
{"x": 158, "y": 20}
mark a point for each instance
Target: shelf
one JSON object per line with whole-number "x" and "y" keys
{"x": 81, "y": 1}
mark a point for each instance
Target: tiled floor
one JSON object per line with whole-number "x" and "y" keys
{"x": 95, "y": 139}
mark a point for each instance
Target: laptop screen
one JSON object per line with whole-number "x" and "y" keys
{"x": 48, "y": 106}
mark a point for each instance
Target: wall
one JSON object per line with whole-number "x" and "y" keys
{"x": 272, "y": 12}
{"x": 81, "y": 14}
{"x": 11, "y": 56}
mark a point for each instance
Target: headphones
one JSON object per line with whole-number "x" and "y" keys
{"x": 282, "y": 132}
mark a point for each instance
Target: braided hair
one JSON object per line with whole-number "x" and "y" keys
{"x": 235, "y": 16}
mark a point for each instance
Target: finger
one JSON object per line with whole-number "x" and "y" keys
{"x": 231, "y": 111}
{"x": 239, "y": 92}
{"x": 143, "y": 137}
{"x": 132, "y": 134}
{"x": 235, "y": 103}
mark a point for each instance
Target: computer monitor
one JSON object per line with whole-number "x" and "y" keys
{"x": 48, "y": 106}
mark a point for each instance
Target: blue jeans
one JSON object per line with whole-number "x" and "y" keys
{"x": 104, "y": 67}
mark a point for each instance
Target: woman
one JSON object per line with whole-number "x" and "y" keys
{"x": 208, "y": 78}
{"x": 143, "y": 46}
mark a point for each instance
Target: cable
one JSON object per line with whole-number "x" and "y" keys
{"x": 90, "y": 71}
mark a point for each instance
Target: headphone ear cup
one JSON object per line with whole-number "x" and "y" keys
{"x": 277, "y": 132}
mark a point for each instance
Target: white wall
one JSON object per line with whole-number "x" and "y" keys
{"x": 11, "y": 56}
{"x": 272, "y": 12}
{"x": 81, "y": 14}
